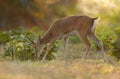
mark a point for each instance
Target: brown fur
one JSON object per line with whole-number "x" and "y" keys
{"x": 62, "y": 27}
{"x": 68, "y": 24}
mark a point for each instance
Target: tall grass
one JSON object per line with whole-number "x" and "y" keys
{"x": 57, "y": 69}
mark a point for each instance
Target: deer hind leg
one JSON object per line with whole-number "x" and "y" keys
{"x": 86, "y": 41}
{"x": 93, "y": 37}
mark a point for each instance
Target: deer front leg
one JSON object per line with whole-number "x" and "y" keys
{"x": 38, "y": 54}
{"x": 65, "y": 48}
{"x": 48, "y": 48}
{"x": 86, "y": 41}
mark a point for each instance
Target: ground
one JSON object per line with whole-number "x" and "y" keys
{"x": 93, "y": 68}
{"x": 57, "y": 69}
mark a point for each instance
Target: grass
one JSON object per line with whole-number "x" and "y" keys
{"x": 92, "y": 68}
{"x": 57, "y": 69}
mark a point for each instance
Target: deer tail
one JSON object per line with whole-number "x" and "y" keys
{"x": 95, "y": 18}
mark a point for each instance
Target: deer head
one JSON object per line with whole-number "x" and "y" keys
{"x": 37, "y": 45}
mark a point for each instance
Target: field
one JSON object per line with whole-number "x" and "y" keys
{"x": 93, "y": 68}
{"x": 59, "y": 70}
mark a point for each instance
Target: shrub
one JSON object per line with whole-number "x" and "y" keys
{"x": 111, "y": 41}
{"x": 19, "y": 47}
{"x": 4, "y": 37}
{"x": 115, "y": 45}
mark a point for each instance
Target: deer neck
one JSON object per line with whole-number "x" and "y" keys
{"x": 46, "y": 38}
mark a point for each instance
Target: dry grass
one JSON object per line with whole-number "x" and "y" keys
{"x": 57, "y": 69}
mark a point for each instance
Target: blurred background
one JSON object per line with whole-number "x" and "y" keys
{"x": 35, "y": 16}
{"x": 41, "y": 13}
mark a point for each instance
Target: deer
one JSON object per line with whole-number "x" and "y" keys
{"x": 83, "y": 26}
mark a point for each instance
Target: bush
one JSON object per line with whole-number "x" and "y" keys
{"x": 111, "y": 41}
{"x": 4, "y": 37}
{"x": 115, "y": 45}
{"x": 19, "y": 47}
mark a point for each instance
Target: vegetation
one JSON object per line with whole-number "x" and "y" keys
{"x": 115, "y": 45}
{"x": 111, "y": 41}
{"x": 29, "y": 13}
{"x": 17, "y": 44}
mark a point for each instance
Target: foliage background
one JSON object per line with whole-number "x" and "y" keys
{"x": 41, "y": 13}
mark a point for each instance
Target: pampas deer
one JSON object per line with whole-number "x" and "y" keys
{"x": 84, "y": 26}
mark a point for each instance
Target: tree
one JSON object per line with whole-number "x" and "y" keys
{"x": 30, "y": 13}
